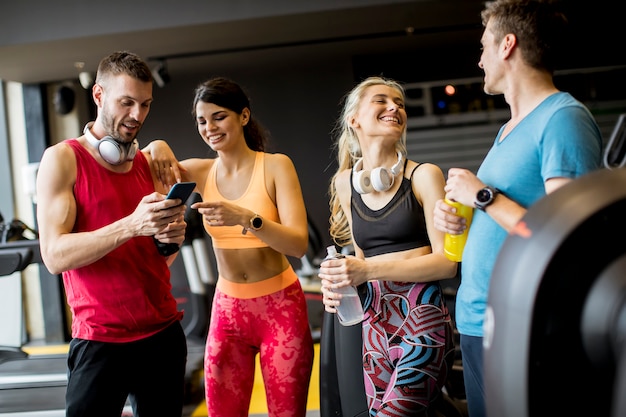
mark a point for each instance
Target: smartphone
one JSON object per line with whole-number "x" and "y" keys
{"x": 181, "y": 190}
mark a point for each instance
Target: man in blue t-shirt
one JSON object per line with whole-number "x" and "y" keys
{"x": 550, "y": 139}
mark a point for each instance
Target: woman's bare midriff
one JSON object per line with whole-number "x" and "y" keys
{"x": 249, "y": 265}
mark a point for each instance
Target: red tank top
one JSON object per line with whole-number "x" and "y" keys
{"x": 126, "y": 295}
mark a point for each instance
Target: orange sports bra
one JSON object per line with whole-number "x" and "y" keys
{"x": 254, "y": 198}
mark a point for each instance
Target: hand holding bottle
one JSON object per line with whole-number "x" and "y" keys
{"x": 349, "y": 310}
{"x": 455, "y": 244}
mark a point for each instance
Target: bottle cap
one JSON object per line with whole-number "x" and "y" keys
{"x": 331, "y": 250}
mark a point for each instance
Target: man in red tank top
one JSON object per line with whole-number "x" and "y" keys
{"x": 100, "y": 211}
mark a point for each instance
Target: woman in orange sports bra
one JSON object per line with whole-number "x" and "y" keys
{"x": 254, "y": 211}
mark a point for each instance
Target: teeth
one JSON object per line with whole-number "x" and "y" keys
{"x": 391, "y": 119}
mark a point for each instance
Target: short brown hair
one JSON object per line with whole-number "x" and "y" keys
{"x": 538, "y": 25}
{"x": 123, "y": 62}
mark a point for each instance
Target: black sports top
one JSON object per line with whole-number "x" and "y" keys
{"x": 398, "y": 226}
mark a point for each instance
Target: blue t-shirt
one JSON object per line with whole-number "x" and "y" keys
{"x": 559, "y": 138}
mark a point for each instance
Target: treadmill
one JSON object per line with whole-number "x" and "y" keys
{"x": 28, "y": 383}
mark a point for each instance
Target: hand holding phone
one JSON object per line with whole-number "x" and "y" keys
{"x": 182, "y": 191}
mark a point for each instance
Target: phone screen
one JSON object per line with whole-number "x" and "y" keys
{"x": 181, "y": 190}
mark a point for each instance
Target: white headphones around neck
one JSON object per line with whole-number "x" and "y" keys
{"x": 112, "y": 151}
{"x": 379, "y": 179}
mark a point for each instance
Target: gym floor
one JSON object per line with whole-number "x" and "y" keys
{"x": 35, "y": 386}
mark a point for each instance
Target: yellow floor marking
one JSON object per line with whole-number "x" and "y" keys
{"x": 46, "y": 349}
{"x": 258, "y": 404}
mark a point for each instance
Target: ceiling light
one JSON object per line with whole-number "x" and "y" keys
{"x": 160, "y": 74}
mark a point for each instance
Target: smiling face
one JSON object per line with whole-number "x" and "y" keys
{"x": 381, "y": 112}
{"x": 219, "y": 126}
{"x": 124, "y": 103}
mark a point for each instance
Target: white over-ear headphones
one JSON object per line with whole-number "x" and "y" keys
{"x": 379, "y": 179}
{"x": 112, "y": 151}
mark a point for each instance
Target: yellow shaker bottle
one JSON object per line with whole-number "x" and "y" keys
{"x": 453, "y": 245}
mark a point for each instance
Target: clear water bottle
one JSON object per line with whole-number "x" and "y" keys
{"x": 349, "y": 310}
{"x": 453, "y": 245}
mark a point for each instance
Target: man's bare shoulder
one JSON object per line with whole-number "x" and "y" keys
{"x": 57, "y": 151}
{"x": 58, "y": 163}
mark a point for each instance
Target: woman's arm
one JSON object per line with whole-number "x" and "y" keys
{"x": 163, "y": 163}
{"x": 291, "y": 235}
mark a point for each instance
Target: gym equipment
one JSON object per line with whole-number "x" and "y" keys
{"x": 555, "y": 329}
{"x": 200, "y": 274}
{"x": 14, "y": 260}
{"x": 615, "y": 153}
{"x": 311, "y": 259}
{"x": 15, "y": 256}
{"x": 27, "y": 383}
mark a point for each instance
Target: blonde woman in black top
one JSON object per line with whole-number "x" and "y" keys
{"x": 378, "y": 204}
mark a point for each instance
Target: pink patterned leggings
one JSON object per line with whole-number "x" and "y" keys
{"x": 274, "y": 325}
{"x": 408, "y": 347}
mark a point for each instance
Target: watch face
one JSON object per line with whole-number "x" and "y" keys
{"x": 484, "y": 195}
{"x": 257, "y": 222}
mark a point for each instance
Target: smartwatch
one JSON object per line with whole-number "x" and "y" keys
{"x": 256, "y": 223}
{"x": 485, "y": 196}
